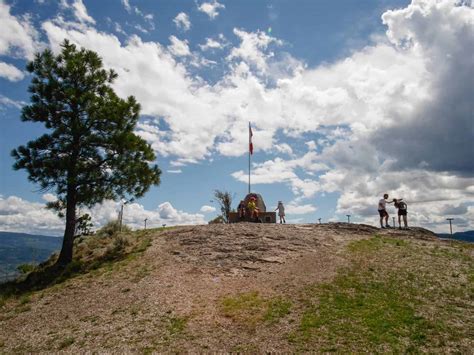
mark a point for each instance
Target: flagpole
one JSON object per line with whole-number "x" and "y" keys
{"x": 249, "y": 155}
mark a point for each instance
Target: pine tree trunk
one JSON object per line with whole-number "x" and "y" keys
{"x": 65, "y": 256}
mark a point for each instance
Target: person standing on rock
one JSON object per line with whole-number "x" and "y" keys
{"x": 402, "y": 211}
{"x": 281, "y": 212}
{"x": 383, "y": 211}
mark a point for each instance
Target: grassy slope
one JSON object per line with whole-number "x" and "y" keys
{"x": 394, "y": 295}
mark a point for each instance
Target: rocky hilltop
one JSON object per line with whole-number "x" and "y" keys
{"x": 258, "y": 288}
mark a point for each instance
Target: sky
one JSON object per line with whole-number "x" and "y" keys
{"x": 347, "y": 99}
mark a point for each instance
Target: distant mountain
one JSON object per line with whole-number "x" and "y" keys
{"x": 467, "y": 236}
{"x": 21, "y": 248}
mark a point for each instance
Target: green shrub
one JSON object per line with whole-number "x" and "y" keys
{"x": 217, "y": 220}
{"x": 26, "y": 268}
{"x": 112, "y": 228}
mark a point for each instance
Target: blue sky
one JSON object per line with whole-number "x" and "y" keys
{"x": 348, "y": 100}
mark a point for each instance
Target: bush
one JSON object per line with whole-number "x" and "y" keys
{"x": 112, "y": 228}
{"x": 217, "y": 220}
{"x": 26, "y": 268}
{"x": 117, "y": 250}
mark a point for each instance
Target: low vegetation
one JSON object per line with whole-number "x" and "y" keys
{"x": 250, "y": 309}
{"x": 92, "y": 252}
{"x": 396, "y": 296}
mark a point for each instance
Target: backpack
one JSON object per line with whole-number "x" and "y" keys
{"x": 402, "y": 205}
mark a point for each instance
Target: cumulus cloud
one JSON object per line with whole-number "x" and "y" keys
{"x": 182, "y": 21}
{"x": 80, "y": 12}
{"x": 6, "y": 101}
{"x": 438, "y": 134}
{"x": 295, "y": 209}
{"x": 178, "y": 47}
{"x": 135, "y": 10}
{"x": 126, "y": 5}
{"x": 207, "y": 209}
{"x": 252, "y": 48}
{"x": 212, "y": 44}
{"x": 10, "y": 72}
{"x": 284, "y": 171}
{"x": 19, "y": 215}
{"x": 211, "y": 9}
{"x": 18, "y": 37}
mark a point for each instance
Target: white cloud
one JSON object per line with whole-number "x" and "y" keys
{"x": 178, "y": 47}
{"x": 284, "y": 171}
{"x": 119, "y": 28}
{"x": 5, "y": 101}
{"x": 252, "y": 48}
{"x": 18, "y": 37}
{"x": 295, "y": 209}
{"x": 19, "y": 215}
{"x": 174, "y": 171}
{"x": 49, "y": 197}
{"x": 182, "y": 21}
{"x": 135, "y": 10}
{"x": 207, "y": 209}
{"x": 213, "y": 43}
{"x": 431, "y": 198}
{"x": 10, "y": 72}
{"x": 126, "y": 5}
{"x": 80, "y": 12}
{"x": 311, "y": 145}
{"x": 284, "y": 148}
{"x": 140, "y": 28}
{"x": 211, "y": 9}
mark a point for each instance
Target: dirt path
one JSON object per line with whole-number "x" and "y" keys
{"x": 170, "y": 297}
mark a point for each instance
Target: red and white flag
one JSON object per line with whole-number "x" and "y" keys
{"x": 250, "y": 140}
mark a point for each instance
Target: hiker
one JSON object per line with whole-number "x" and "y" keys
{"x": 252, "y": 207}
{"x": 383, "y": 212}
{"x": 402, "y": 211}
{"x": 281, "y": 212}
{"x": 241, "y": 209}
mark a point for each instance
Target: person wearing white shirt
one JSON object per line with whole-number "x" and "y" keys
{"x": 281, "y": 212}
{"x": 383, "y": 211}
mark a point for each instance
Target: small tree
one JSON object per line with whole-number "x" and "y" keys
{"x": 90, "y": 152}
{"x": 224, "y": 198}
{"x": 218, "y": 220}
{"x": 84, "y": 225}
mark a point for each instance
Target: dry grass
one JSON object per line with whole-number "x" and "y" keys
{"x": 100, "y": 251}
{"x": 250, "y": 309}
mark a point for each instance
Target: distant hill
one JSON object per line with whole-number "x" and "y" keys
{"x": 467, "y": 236}
{"x": 21, "y": 248}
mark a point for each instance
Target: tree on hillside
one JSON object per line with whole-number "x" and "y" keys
{"x": 224, "y": 198}
{"x": 90, "y": 152}
{"x": 84, "y": 225}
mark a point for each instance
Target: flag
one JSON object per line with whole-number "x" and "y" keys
{"x": 250, "y": 140}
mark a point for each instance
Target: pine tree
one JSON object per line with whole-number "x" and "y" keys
{"x": 90, "y": 152}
